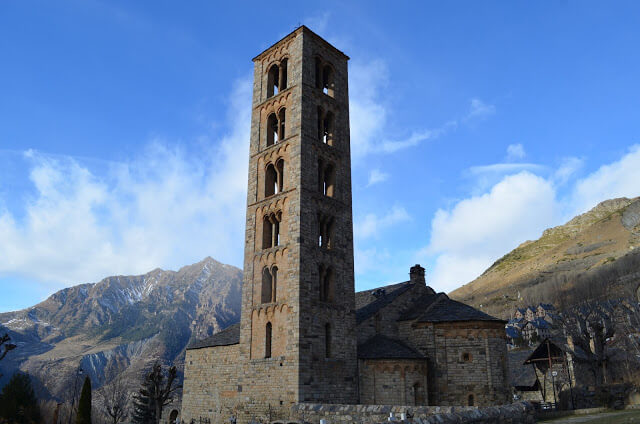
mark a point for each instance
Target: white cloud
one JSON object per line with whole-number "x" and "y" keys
{"x": 567, "y": 170}
{"x": 480, "y": 229}
{"x": 515, "y": 152}
{"x": 467, "y": 238}
{"x": 617, "y": 179}
{"x": 164, "y": 208}
{"x": 480, "y": 109}
{"x": 376, "y": 176}
{"x": 501, "y": 168}
{"x": 372, "y": 224}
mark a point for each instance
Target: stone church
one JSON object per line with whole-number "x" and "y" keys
{"x": 305, "y": 335}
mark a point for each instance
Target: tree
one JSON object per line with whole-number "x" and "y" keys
{"x": 18, "y": 403}
{"x": 4, "y": 343}
{"x": 84, "y": 405}
{"x": 154, "y": 395}
{"x": 115, "y": 401}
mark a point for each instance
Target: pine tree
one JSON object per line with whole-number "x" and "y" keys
{"x": 84, "y": 405}
{"x": 154, "y": 395}
{"x": 18, "y": 403}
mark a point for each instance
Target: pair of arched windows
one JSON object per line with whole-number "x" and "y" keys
{"x": 325, "y": 77}
{"x": 326, "y": 283}
{"x": 325, "y": 231}
{"x": 277, "y": 78}
{"x": 276, "y": 127}
{"x": 274, "y": 178}
{"x": 326, "y": 178}
{"x": 326, "y": 126}
{"x": 269, "y": 284}
{"x": 271, "y": 230}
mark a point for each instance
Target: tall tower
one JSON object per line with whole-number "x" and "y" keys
{"x": 297, "y": 336}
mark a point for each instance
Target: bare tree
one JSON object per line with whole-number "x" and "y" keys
{"x": 115, "y": 400}
{"x": 7, "y": 347}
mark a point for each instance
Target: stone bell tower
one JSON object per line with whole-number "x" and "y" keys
{"x": 297, "y": 335}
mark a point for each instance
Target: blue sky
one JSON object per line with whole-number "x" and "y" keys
{"x": 475, "y": 126}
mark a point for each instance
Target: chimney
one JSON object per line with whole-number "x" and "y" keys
{"x": 416, "y": 274}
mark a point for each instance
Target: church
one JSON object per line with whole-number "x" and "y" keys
{"x": 305, "y": 335}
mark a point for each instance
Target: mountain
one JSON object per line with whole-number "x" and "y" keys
{"x": 120, "y": 325}
{"x": 594, "y": 255}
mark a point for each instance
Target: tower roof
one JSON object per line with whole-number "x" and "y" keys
{"x": 306, "y": 30}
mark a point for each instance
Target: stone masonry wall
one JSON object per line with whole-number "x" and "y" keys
{"x": 393, "y": 382}
{"x": 210, "y": 385}
{"x": 465, "y": 358}
{"x": 517, "y": 413}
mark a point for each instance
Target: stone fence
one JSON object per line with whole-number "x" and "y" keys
{"x": 522, "y": 412}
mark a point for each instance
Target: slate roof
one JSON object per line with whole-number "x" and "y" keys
{"x": 520, "y": 375}
{"x": 368, "y": 304}
{"x": 383, "y": 347}
{"x": 440, "y": 308}
{"x": 226, "y": 337}
{"x": 512, "y": 332}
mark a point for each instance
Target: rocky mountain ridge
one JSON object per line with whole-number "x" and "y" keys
{"x": 120, "y": 324}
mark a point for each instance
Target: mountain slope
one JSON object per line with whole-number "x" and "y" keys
{"x": 564, "y": 258}
{"x": 120, "y": 324}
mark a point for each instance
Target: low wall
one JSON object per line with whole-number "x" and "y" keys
{"x": 522, "y": 412}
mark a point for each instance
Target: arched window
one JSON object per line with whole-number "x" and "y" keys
{"x": 280, "y": 172}
{"x": 327, "y": 80}
{"x": 470, "y": 400}
{"x": 318, "y": 73}
{"x": 325, "y": 231}
{"x": 276, "y": 127}
{"x": 329, "y": 180}
{"x": 327, "y": 129}
{"x": 326, "y": 283}
{"x": 320, "y": 116}
{"x": 272, "y": 129}
{"x": 267, "y": 340}
{"x": 327, "y": 340}
{"x": 271, "y": 230}
{"x": 270, "y": 181}
{"x": 267, "y": 286}
{"x": 283, "y": 74}
{"x": 281, "y": 123}
{"x": 466, "y": 357}
{"x": 273, "y": 81}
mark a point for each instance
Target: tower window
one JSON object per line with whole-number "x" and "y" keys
{"x": 327, "y": 80}
{"x": 273, "y": 178}
{"x": 326, "y": 283}
{"x": 273, "y": 80}
{"x": 327, "y": 125}
{"x": 277, "y": 78}
{"x": 470, "y": 400}
{"x": 276, "y": 127}
{"x": 325, "y": 231}
{"x": 271, "y": 230}
{"x": 272, "y": 129}
{"x": 267, "y": 340}
{"x": 269, "y": 284}
{"x": 327, "y": 340}
{"x": 325, "y": 77}
{"x": 466, "y": 357}
{"x": 326, "y": 178}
